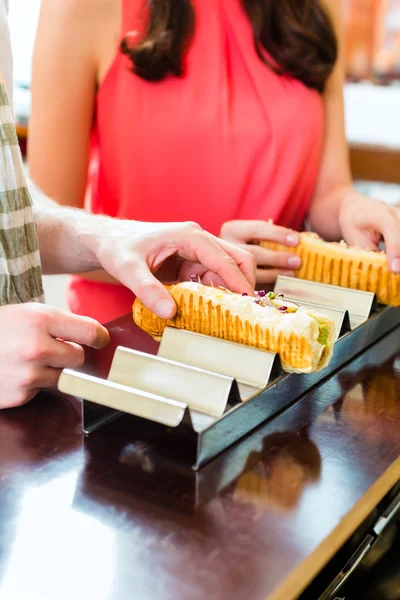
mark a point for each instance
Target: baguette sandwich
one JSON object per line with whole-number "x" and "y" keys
{"x": 303, "y": 339}
{"x": 345, "y": 266}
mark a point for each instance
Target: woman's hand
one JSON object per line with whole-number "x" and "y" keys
{"x": 245, "y": 233}
{"x": 364, "y": 222}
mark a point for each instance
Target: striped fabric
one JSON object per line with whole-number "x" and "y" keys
{"x": 20, "y": 269}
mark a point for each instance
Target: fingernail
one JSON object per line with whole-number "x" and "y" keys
{"x": 164, "y": 309}
{"x": 292, "y": 239}
{"x": 396, "y": 265}
{"x": 102, "y": 338}
{"x": 294, "y": 262}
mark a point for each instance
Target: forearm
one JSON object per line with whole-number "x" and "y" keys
{"x": 334, "y": 184}
{"x": 324, "y": 213}
{"x": 69, "y": 238}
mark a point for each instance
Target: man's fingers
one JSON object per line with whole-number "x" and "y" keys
{"x": 151, "y": 292}
{"x": 243, "y": 258}
{"x": 73, "y": 328}
{"x": 65, "y": 355}
{"x": 247, "y": 231}
{"x": 215, "y": 259}
{"x": 40, "y": 378}
{"x": 265, "y": 276}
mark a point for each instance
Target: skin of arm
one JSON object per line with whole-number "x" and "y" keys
{"x": 87, "y": 32}
{"x": 63, "y": 97}
{"x": 334, "y": 179}
{"x": 72, "y": 240}
{"x": 338, "y": 210}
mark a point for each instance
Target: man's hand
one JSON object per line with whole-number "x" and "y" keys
{"x": 173, "y": 252}
{"x": 73, "y": 241}
{"x": 37, "y": 342}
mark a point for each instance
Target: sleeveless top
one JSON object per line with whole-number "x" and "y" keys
{"x": 229, "y": 140}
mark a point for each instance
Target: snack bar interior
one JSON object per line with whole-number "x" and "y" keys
{"x": 214, "y": 188}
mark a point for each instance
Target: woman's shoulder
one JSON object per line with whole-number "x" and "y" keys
{"x": 89, "y": 12}
{"x": 87, "y": 27}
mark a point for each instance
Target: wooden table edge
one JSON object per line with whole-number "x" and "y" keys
{"x": 306, "y": 571}
{"x": 375, "y": 162}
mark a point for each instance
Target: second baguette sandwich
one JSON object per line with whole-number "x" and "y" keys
{"x": 303, "y": 339}
{"x": 345, "y": 266}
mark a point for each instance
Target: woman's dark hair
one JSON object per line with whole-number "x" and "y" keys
{"x": 298, "y": 35}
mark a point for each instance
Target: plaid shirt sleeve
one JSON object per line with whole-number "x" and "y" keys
{"x": 20, "y": 268}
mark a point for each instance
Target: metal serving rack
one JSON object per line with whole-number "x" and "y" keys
{"x": 211, "y": 392}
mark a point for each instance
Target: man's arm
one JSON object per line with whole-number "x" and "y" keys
{"x": 72, "y": 241}
{"x": 67, "y": 236}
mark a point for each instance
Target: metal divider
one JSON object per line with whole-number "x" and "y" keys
{"x": 191, "y": 371}
{"x": 350, "y": 306}
{"x": 216, "y": 391}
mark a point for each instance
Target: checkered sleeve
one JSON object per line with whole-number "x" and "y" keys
{"x": 20, "y": 268}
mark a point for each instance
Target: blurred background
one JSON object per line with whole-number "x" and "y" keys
{"x": 372, "y": 95}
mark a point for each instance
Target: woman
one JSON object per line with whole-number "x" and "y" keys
{"x": 232, "y": 117}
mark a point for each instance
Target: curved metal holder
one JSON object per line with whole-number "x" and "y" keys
{"x": 210, "y": 392}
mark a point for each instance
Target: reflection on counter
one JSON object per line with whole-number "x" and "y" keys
{"x": 287, "y": 463}
{"x": 379, "y": 393}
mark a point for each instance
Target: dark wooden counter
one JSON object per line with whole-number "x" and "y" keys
{"x": 110, "y": 519}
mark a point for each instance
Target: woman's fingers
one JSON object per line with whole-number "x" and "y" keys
{"x": 242, "y": 231}
{"x": 265, "y": 276}
{"x": 391, "y": 234}
{"x": 365, "y": 221}
{"x": 269, "y": 258}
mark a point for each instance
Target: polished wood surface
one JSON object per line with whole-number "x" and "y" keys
{"x": 375, "y": 163}
{"x": 110, "y": 517}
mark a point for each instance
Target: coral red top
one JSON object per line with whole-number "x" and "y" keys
{"x": 229, "y": 140}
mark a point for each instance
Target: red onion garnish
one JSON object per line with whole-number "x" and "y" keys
{"x": 244, "y": 294}
{"x": 195, "y": 278}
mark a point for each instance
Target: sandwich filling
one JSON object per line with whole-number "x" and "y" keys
{"x": 273, "y": 311}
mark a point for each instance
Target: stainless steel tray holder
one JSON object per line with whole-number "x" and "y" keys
{"x": 193, "y": 378}
{"x": 348, "y": 308}
{"x": 213, "y": 392}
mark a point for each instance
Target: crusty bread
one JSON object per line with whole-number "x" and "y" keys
{"x": 345, "y": 266}
{"x": 219, "y": 313}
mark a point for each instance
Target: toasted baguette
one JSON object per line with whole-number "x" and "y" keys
{"x": 345, "y": 266}
{"x": 219, "y": 313}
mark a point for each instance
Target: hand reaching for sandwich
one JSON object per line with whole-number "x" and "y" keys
{"x": 169, "y": 253}
{"x": 40, "y": 340}
{"x": 365, "y": 222}
{"x": 245, "y": 233}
